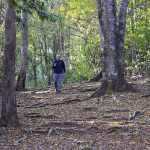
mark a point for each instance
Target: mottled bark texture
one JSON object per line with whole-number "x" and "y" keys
{"x": 9, "y": 110}
{"x": 112, "y": 30}
{"x": 121, "y": 26}
{"x": 24, "y": 53}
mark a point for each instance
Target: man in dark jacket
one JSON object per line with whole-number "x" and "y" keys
{"x": 59, "y": 69}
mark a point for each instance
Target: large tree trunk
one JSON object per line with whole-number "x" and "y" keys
{"x": 9, "y": 109}
{"x": 108, "y": 30}
{"x": 112, "y": 38}
{"x": 24, "y": 64}
{"x": 120, "y": 36}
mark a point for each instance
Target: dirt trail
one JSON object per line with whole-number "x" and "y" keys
{"x": 71, "y": 121}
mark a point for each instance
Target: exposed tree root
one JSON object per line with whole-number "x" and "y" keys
{"x": 128, "y": 87}
{"x": 2, "y": 123}
{"x": 6, "y": 123}
{"x": 67, "y": 102}
{"x": 109, "y": 87}
{"x": 102, "y": 90}
{"x": 117, "y": 129}
{"x": 97, "y": 77}
{"x": 146, "y": 95}
{"x": 67, "y": 127}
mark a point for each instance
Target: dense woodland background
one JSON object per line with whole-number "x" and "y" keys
{"x": 71, "y": 28}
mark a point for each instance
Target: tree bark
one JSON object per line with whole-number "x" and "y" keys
{"x": 24, "y": 64}
{"x": 34, "y": 65}
{"x": 42, "y": 66}
{"x": 41, "y": 57}
{"x": 47, "y": 62}
{"x": 1, "y": 72}
{"x": 108, "y": 30}
{"x": 9, "y": 114}
{"x": 62, "y": 43}
{"x": 54, "y": 46}
{"x": 112, "y": 43}
{"x": 120, "y": 38}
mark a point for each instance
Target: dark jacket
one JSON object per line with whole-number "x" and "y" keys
{"x": 59, "y": 66}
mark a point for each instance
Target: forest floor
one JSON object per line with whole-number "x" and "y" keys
{"x": 71, "y": 121}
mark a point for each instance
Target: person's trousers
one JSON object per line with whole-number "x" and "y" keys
{"x": 58, "y": 78}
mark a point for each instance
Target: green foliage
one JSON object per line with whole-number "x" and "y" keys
{"x": 137, "y": 38}
{"x": 78, "y": 69}
{"x": 84, "y": 60}
{"x": 38, "y": 6}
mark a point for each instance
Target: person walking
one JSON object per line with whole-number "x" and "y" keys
{"x": 59, "y": 69}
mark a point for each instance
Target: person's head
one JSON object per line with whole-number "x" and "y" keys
{"x": 58, "y": 57}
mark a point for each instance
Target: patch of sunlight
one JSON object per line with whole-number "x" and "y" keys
{"x": 41, "y": 92}
{"x": 26, "y": 92}
{"x": 119, "y": 124}
{"x": 115, "y": 123}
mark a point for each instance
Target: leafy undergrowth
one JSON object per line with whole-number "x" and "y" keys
{"x": 72, "y": 121}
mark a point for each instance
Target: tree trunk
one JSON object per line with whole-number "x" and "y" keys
{"x": 47, "y": 62}
{"x": 147, "y": 35}
{"x": 112, "y": 55}
{"x": 1, "y": 72}
{"x": 54, "y": 46}
{"x": 2, "y": 12}
{"x": 108, "y": 30}
{"x": 35, "y": 66}
{"x": 120, "y": 38}
{"x": 58, "y": 43}
{"x": 42, "y": 67}
{"x": 41, "y": 57}
{"x": 9, "y": 109}
{"x": 62, "y": 42}
{"x": 24, "y": 64}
